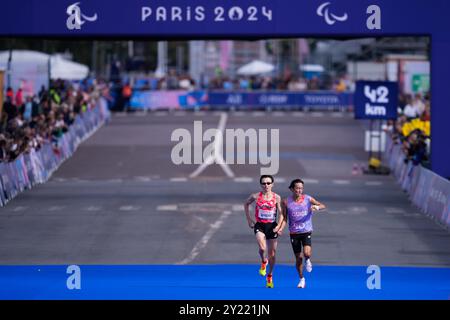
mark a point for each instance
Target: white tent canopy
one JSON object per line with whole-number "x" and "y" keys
{"x": 29, "y": 69}
{"x": 255, "y": 67}
{"x": 68, "y": 70}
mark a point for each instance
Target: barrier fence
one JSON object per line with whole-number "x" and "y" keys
{"x": 37, "y": 167}
{"x": 427, "y": 190}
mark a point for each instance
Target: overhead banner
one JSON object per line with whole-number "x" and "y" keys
{"x": 218, "y": 17}
{"x": 376, "y": 100}
{"x": 225, "y": 19}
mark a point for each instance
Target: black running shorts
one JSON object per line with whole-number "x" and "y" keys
{"x": 267, "y": 229}
{"x": 299, "y": 240}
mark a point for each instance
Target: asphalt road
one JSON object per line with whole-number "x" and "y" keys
{"x": 121, "y": 200}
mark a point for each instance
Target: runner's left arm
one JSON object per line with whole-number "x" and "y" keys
{"x": 316, "y": 205}
{"x": 280, "y": 226}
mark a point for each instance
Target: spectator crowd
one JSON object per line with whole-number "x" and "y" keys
{"x": 288, "y": 81}
{"x": 29, "y": 121}
{"x": 412, "y": 128}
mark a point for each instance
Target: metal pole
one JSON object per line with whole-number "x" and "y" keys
{"x": 380, "y": 143}
{"x": 8, "y": 74}
{"x": 94, "y": 58}
{"x": 162, "y": 57}
{"x": 49, "y": 66}
{"x": 130, "y": 49}
{"x": 370, "y": 139}
{"x": 180, "y": 56}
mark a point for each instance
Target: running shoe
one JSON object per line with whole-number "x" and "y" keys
{"x": 308, "y": 265}
{"x": 269, "y": 279}
{"x": 302, "y": 283}
{"x": 262, "y": 270}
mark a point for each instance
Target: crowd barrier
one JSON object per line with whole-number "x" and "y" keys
{"x": 427, "y": 190}
{"x": 179, "y": 99}
{"x": 37, "y": 167}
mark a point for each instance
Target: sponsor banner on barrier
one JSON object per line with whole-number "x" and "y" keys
{"x": 280, "y": 98}
{"x": 427, "y": 190}
{"x": 29, "y": 170}
{"x": 3, "y": 186}
{"x": 252, "y": 99}
{"x": 408, "y": 175}
{"x": 156, "y": 99}
{"x": 193, "y": 99}
{"x": 438, "y": 196}
{"x": 184, "y": 99}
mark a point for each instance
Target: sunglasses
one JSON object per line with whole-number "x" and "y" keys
{"x": 266, "y": 183}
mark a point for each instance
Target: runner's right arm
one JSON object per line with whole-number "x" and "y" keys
{"x": 247, "y": 203}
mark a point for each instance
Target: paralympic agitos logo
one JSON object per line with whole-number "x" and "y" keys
{"x": 330, "y": 18}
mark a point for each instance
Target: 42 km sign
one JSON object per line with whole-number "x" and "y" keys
{"x": 376, "y": 100}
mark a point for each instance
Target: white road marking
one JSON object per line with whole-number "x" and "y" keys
{"x": 348, "y": 211}
{"x": 337, "y": 115}
{"x": 56, "y": 208}
{"x": 413, "y": 215}
{"x": 129, "y": 208}
{"x": 237, "y": 207}
{"x": 336, "y": 211}
{"x": 199, "y": 113}
{"x": 298, "y": 114}
{"x": 180, "y": 113}
{"x": 114, "y": 180}
{"x": 93, "y": 208}
{"x": 243, "y": 179}
{"x": 19, "y": 208}
{"x": 201, "y": 244}
{"x": 161, "y": 113}
{"x": 258, "y": 114}
{"x": 217, "y": 156}
{"x": 358, "y": 210}
{"x": 317, "y": 114}
{"x": 178, "y": 179}
{"x": 202, "y": 220}
{"x": 394, "y": 210}
{"x": 238, "y": 113}
{"x": 143, "y": 179}
{"x": 168, "y": 207}
{"x": 278, "y": 114}
{"x": 341, "y": 182}
{"x": 373, "y": 183}
{"x": 310, "y": 181}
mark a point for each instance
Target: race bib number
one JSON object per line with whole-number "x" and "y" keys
{"x": 266, "y": 214}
